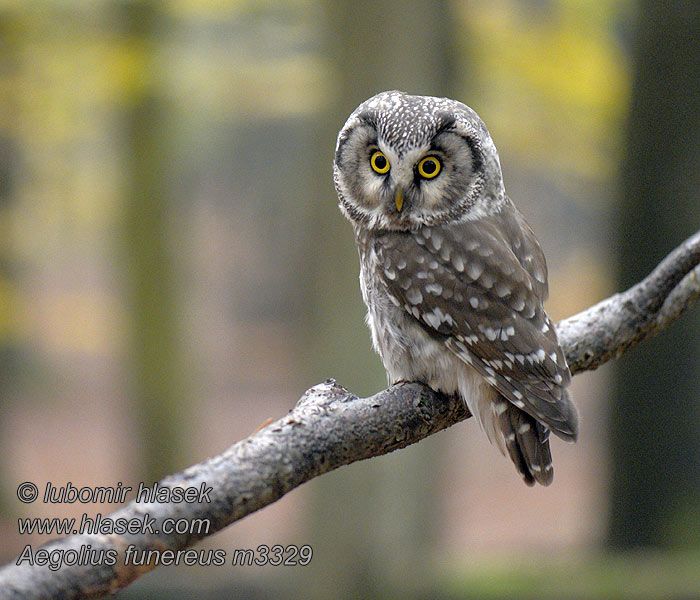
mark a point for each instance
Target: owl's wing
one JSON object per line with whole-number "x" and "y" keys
{"x": 465, "y": 285}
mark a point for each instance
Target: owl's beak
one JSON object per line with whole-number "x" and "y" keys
{"x": 398, "y": 199}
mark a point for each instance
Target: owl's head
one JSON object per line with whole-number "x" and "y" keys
{"x": 405, "y": 161}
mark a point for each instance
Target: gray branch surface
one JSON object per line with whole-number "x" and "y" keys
{"x": 617, "y": 324}
{"x": 328, "y": 428}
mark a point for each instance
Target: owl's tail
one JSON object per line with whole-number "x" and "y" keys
{"x": 527, "y": 444}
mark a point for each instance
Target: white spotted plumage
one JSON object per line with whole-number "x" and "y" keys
{"x": 452, "y": 275}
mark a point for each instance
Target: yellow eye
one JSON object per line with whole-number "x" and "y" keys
{"x": 379, "y": 162}
{"x": 429, "y": 167}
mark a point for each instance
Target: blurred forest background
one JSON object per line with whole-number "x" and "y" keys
{"x": 174, "y": 271}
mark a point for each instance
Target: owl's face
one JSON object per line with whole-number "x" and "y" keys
{"x": 404, "y": 161}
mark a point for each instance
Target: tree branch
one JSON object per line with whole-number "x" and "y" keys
{"x": 617, "y": 324}
{"x": 330, "y": 427}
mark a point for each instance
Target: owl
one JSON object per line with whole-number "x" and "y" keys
{"x": 452, "y": 275}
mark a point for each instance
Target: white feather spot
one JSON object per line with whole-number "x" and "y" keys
{"x": 517, "y": 394}
{"x": 490, "y": 333}
{"x": 487, "y": 280}
{"x": 433, "y": 288}
{"x": 422, "y": 275}
{"x": 510, "y": 330}
{"x": 529, "y": 311}
{"x": 500, "y": 408}
{"x": 545, "y": 326}
{"x": 510, "y": 438}
{"x": 540, "y": 354}
{"x": 507, "y": 268}
{"x": 401, "y": 264}
{"x": 474, "y": 301}
{"x": 485, "y": 251}
{"x": 432, "y": 319}
{"x": 445, "y": 253}
{"x": 553, "y": 357}
{"x": 490, "y": 380}
{"x": 390, "y": 273}
{"x": 502, "y": 290}
{"x": 518, "y": 403}
{"x": 437, "y": 242}
{"x": 558, "y": 379}
{"x": 458, "y": 263}
{"x": 446, "y": 317}
{"x": 517, "y": 304}
{"x": 414, "y": 296}
{"x": 475, "y": 269}
{"x": 433, "y": 264}
{"x": 535, "y": 468}
{"x": 524, "y": 428}
{"x": 437, "y": 318}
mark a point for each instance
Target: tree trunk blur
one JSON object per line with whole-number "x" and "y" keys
{"x": 655, "y": 420}
{"x": 9, "y": 151}
{"x": 382, "y": 510}
{"x": 154, "y": 360}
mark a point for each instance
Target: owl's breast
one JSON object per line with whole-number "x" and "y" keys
{"x": 407, "y": 351}
{"x": 392, "y": 332}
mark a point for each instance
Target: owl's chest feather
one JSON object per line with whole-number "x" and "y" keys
{"x": 407, "y": 351}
